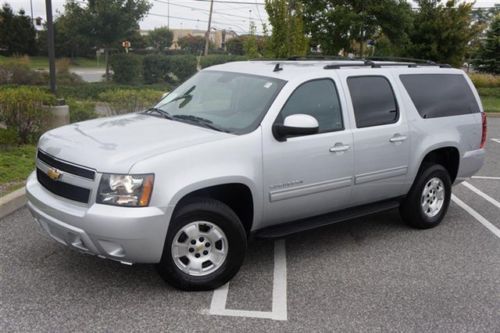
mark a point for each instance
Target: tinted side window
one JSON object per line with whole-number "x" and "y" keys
{"x": 373, "y": 101}
{"x": 440, "y": 95}
{"x": 319, "y": 99}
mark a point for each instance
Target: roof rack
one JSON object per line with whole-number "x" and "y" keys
{"x": 372, "y": 64}
{"x": 319, "y": 57}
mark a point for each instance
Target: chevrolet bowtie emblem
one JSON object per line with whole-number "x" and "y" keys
{"x": 54, "y": 174}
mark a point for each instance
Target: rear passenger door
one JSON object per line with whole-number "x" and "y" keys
{"x": 380, "y": 135}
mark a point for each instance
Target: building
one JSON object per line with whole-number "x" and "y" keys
{"x": 217, "y": 37}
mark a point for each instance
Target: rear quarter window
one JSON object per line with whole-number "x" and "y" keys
{"x": 440, "y": 95}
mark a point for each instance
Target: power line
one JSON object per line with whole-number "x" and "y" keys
{"x": 201, "y": 9}
{"x": 232, "y": 2}
{"x": 258, "y": 13}
{"x": 204, "y": 21}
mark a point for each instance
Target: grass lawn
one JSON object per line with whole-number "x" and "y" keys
{"x": 490, "y": 98}
{"x": 491, "y": 104}
{"x": 16, "y": 164}
{"x": 43, "y": 62}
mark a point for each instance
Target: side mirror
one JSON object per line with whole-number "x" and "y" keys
{"x": 296, "y": 125}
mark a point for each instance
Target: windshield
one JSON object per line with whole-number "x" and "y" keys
{"x": 230, "y": 102}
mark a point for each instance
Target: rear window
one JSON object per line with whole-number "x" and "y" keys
{"x": 440, "y": 95}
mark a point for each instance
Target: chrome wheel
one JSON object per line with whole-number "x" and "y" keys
{"x": 432, "y": 199}
{"x": 199, "y": 248}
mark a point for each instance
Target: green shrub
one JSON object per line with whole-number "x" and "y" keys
{"x": 22, "y": 108}
{"x": 173, "y": 69}
{"x": 155, "y": 68}
{"x": 18, "y": 71}
{"x": 183, "y": 67}
{"x": 485, "y": 80}
{"x": 217, "y": 59}
{"x": 121, "y": 101}
{"x": 81, "y": 110}
{"x": 8, "y": 137}
{"x": 127, "y": 68}
{"x": 92, "y": 90}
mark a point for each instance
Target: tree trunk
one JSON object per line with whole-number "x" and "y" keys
{"x": 106, "y": 60}
{"x": 361, "y": 49}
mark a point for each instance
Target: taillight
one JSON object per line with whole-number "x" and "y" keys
{"x": 483, "y": 136}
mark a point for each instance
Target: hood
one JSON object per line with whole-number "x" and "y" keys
{"x": 116, "y": 144}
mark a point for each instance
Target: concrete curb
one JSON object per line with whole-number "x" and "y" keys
{"x": 12, "y": 202}
{"x": 493, "y": 114}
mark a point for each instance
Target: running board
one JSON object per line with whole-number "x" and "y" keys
{"x": 288, "y": 228}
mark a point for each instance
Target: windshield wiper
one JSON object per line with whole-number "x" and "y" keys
{"x": 160, "y": 112}
{"x": 199, "y": 121}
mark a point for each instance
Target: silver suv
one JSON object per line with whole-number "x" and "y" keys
{"x": 258, "y": 149}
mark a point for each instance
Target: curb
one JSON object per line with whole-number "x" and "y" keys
{"x": 12, "y": 202}
{"x": 493, "y": 114}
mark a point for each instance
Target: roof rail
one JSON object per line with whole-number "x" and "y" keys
{"x": 403, "y": 59}
{"x": 372, "y": 64}
{"x": 319, "y": 57}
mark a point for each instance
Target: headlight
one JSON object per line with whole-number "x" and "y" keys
{"x": 125, "y": 190}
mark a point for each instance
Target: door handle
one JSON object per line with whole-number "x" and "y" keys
{"x": 339, "y": 148}
{"x": 398, "y": 138}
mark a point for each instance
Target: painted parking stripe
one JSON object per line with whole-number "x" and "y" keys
{"x": 279, "y": 307}
{"x": 486, "y": 177}
{"x": 476, "y": 215}
{"x": 496, "y": 140}
{"x": 482, "y": 194}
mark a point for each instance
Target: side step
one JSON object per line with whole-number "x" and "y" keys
{"x": 293, "y": 227}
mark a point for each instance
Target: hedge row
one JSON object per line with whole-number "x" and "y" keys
{"x": 159, "y": 68}
{"x": 23, "y": 110}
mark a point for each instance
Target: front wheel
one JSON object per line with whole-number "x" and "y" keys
{"x": 428, "y": 199}
{"x": 205, "y": 246}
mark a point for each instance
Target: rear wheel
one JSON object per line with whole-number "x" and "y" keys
{"x": 205, "y": 246}
{"x": 428, "y": 199}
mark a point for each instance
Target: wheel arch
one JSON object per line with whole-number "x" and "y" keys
{"x": 236, "y": 193}
{"x": 448, "y": 156}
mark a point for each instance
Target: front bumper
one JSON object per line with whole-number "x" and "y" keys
{"x": 128, "y": 235}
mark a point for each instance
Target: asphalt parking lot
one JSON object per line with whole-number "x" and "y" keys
{"x": 365, "y": 275}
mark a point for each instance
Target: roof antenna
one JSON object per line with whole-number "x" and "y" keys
{"x": 277, "y": 68}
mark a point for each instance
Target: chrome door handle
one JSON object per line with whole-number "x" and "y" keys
{"x": 338, "y": 148}
{"x": 398, "y": 138}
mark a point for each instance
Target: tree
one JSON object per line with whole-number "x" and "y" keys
{"x": 488, "y": 55}
{"x": 346, "y": 25}
{"x": 17, "y": 33}
{"x": 192, "y": 44}
{"x": 137, "y": 40}
{"x": 160, "y": 38}
{"x": 69, "y": 41}
{"x": 105, "y": 22}
{"x": 288, "y": 37}
{"x": 482, "y": 18}
{"x": 250, "y": 43}
{"x": 441, "y": 32}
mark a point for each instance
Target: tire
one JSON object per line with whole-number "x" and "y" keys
{"x": 412, "y": 209}
{"x": 201, "y": 222}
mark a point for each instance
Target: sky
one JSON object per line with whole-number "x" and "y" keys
{"x": 191, "y": 14}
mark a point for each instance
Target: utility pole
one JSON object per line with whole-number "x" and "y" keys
{"x": 207, "y": 37}
{"x": 168, "y": 14}
{"x": 31, "y": 5}
{"x": 50, "y": 44}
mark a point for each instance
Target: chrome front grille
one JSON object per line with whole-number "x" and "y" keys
{"x": 75, "y": 182}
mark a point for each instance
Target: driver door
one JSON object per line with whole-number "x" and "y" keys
{"x": 312, "y": 174}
